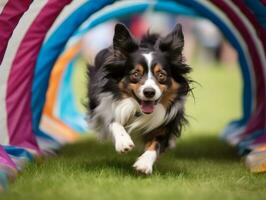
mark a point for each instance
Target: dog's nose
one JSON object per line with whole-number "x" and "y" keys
{"x": 149, "y": 92}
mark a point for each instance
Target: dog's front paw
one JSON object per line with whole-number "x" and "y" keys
{"x": 124, "y": 144}
{"x": 145, "y": 162}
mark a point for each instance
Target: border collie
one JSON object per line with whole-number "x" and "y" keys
{"x": 139, "y": 86}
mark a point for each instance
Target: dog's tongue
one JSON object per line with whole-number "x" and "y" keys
{"x": 147, "y": 106}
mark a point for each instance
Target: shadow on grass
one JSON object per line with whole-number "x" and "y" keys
{"x": 92, "y": 155}
{"x": 205, "y": 147}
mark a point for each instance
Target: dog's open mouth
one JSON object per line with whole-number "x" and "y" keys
{"x": 147, "y": 107}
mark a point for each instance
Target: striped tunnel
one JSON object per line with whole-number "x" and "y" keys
{"x": 40, "y": 41}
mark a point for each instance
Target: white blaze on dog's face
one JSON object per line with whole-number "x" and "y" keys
{"x": 149, "y": 93}
{"x": 148, "y": 80}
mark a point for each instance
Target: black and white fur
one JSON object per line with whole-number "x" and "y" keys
{"x": 116, "y": 103}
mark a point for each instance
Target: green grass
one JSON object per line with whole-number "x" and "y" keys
{"x": 201, "y": 167}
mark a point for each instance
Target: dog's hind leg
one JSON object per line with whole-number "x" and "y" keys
{"x": 123, "y": 142}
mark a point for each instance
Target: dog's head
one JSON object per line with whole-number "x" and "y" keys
{"x": 151, "y": 70}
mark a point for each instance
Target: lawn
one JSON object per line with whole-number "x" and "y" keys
{"x": 201, "y": 167}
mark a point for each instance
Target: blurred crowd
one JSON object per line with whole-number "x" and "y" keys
{"x": 203, "y": 41}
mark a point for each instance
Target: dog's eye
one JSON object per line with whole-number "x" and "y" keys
{"x": 161, "y": 77}
{"x": 135, "y": 77}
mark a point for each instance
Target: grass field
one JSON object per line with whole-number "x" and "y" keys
{"x": 201, "y": 167}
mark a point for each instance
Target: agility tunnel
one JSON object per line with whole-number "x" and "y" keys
{"x": 40, "y": 44}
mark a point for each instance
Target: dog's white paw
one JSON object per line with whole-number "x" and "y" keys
{"x": 145, "y": 162}
{"x": 124, "y": 144}
{"x": 122, "y": 140}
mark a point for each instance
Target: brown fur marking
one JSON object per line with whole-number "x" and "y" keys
{"x": 140, "y": 68}
{"x": 152, "y": 146}
{"x": 170, "y": 94}
{"x": 127, "y": 89}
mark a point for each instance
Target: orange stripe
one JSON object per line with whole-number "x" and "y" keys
{"x": 62, "y": 130}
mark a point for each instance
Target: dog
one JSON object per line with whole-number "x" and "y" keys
{"x": 139, "y": 87}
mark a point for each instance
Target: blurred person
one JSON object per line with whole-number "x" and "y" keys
{"x": 209, "y": 39}
{"x": 228, "y": 54}
{"x": 188, "y": 25}
{"x": 96, "y": 39}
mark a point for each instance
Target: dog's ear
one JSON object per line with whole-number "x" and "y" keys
{"x": 123, "y": 41}
{"x": 173, "y": 43}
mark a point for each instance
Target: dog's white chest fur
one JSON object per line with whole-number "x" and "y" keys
{"x": 127, "y": 113}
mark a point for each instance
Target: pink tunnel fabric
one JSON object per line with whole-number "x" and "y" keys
{"x": 20, "y": 78}
{"x": 5, "y": 159}
{"x": 9, "y": 18}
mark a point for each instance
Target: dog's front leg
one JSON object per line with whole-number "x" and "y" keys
{"x": 144, "y": 163}
{"x": 123, "y": 142}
